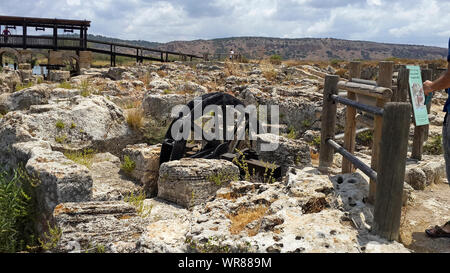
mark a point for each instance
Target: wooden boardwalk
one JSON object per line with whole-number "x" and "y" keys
{"x": 81, "y": 43}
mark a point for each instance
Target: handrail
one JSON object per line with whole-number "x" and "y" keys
{"x": 17, "y": 40}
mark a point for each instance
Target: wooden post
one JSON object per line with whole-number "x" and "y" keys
{"x": 81, "y": 38}
{"x": 328, "y": 122}
{"x": 391, "y": 174}
{"x": 355, "y": 70}
{"x": 384, "y": 80}
{"x": 24, "y": 35}
{"x": 427, "y": 75}
{"x": 55, "y": 37}
{"x": 421, "y": 132}
{"x": 350, "y": 121}
{"x": 402, "y": 86}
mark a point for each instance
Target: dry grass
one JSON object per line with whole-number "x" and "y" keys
{"x": 135, "y": 118}
{"x": 146, "y": 79}
{"x": 245, "y": 216}
{"x": 161, "y": 73}
{"x": 230, "y": 69}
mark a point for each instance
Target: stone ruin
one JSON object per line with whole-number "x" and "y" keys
{"x": 190, "y": 205}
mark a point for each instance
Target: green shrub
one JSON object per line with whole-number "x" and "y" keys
{"x": 154, "y": 132}
{"x": 23, "y": 86}
{"x": 16, "y": 210}
{"x": 51, "y": 238}
{"x": 292, "y": 134}
{"x": 253, "y": 177}
{"x": 60, "y": 124}
{"x": 365, "y": 138}
{"x": 84, "y": 157}
{"x": 434, "y": 146}
{"x": 65, "y": 85}
{"x": 316, "y": 142}
{"x": 221, "y": 177}
{"x": 275, "y": 59}
{"x": 61, "y": 139}
{"x": 137, "y": 200}
{"x": 85, "y": 89}
{"x": 128, "y": 165}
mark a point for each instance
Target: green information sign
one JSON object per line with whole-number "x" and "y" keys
{"x": 417, "y": 96}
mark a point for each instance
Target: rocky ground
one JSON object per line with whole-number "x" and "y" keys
{"x": 92, "y": 143}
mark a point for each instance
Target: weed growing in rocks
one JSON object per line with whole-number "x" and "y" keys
{"x": 292, "y": 134}
{"x": 213, "y": 245}
{"x": 221, "y": 177}
{"x": 135, "y": 118}
{"x": 85, "y": 89}
{"x": 65, "y": 85}
{"x": 17, "y": 210}
{"x": 154, "y": 132}
{"x": 137, "y": 200}
{"x": 51, "y": 238}
{"x": 128, "y": 165}
{"x": 84, "y": 157}
{"x": 253, "y": 177}
{"x": 23, "y": 86}
{"x": 434, "y": 146}
{"x": 61, "y": 139}
{"x": 365, "y": 138}
{"x": 60, "y": 124}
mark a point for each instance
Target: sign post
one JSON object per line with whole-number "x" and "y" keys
{"x": 417, "y": 96}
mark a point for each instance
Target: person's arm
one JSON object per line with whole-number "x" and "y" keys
{"x": 442, "y": 83}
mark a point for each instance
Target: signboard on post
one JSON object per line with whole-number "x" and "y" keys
{"x": 417, "y": 96}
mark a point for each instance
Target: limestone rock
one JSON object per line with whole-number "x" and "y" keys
{"x": 115, "y": 73}
{"x": 120, "y": 228}
{"x": 23, "y": 99}
{"x": 189, "y": 182}
{"x": 289, "y": 152}
{"x": 60, "y": 180}
{"x": 416, "y": 178}
{"x": 92, "y": 122}
{"x": 9, "y": 79}
{"x": 160, "y": 106}
{"x": 159, "y": 84}
{"x": 93, "y": 224}
{"x": 147, "y": 165}
{"x": 58, "y": 75}
{"x": 109, "y": 184}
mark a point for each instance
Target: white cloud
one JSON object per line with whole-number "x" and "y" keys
{"x": 399, "y": 21}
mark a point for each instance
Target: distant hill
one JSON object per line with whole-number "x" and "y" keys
{"x": 300, "y": 49}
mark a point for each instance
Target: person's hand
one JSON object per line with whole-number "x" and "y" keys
{"x": 427, "y": 89}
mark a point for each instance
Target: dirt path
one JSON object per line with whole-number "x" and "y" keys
{"x": 431, "y": 207}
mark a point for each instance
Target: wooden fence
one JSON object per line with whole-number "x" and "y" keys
{"x": 390, "y": 142}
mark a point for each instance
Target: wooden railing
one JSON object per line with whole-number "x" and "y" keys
{"x": 389, "y": 153}
{"x": 112, "y": 49}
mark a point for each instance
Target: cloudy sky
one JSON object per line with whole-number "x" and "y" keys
{"x": 423, "y": 22}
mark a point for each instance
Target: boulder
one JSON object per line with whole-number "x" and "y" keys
{"x": 160, "y": 84}
{"x": 23, "y": 99}
{"x": 189, "y": 182}
{"x": 60, "y": 180}
{"x": 115, "y": 73}
{"x": 58, "y": 75}
{"x": 147, "y": 165}
{"x": 159, "y": 106}
{"x": 289, "y": 152}
{"x": 109, "y": 184}
{"x": 9, "y": 79}
{"x": 119, "y": 227}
